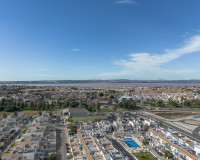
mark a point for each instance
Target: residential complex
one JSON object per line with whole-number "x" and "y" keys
{"x": 48, "y": 123}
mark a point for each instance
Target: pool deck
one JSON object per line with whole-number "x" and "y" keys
{"x": 138, "y": 138}
{"x": 133, "y": 149}
{"x": 131, "y": 142}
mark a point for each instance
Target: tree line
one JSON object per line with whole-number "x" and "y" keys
{"x": 13, "y": 105}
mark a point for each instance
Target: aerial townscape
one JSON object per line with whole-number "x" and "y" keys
{"x": 99, "y": 123}
{"x": 99, "y": 79}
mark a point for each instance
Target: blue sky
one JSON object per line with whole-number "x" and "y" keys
{"x": 99, "y": 39}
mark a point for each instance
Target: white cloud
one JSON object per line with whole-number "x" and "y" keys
{"x": 149, "y": 66}
{"x": 125, "y": 2}
{"x": 75, "y": 50}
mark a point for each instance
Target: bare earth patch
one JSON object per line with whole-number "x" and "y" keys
{"x": 192, "y": 122}
{"x": 30, "y": 113}
{"x": 175, "y": 115}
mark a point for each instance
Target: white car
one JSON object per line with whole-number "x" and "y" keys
{"x": 68, "y": 155}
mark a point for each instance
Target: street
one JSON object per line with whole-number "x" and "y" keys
{"x": 194, "y": 136}
{"x": 60, "y": 138}
{"x": 119, "y": 147}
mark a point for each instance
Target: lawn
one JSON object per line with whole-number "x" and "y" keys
{"x": 90, "y": 118}
{"x": 171, "y": 106}
{"x": 145, "y": 156}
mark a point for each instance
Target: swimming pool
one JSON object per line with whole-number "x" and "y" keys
{"x": 130, "y": 142}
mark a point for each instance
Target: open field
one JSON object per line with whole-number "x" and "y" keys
{"x": 31, "y": 113}
{"x": 7, "y": 113}
{"x": 174, "y": 114}
{"x": 90, "y": 118}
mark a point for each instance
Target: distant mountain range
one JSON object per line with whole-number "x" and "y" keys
{"x": 98, "y": 81}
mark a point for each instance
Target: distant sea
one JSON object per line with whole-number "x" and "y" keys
{"x": 112, "y": 85}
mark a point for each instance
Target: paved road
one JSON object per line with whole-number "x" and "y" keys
{"x": 60, "y": 138}
{"x": 194, "y": 135}
{"x": 119, "y": 147}
{"x": 61, "y": 144}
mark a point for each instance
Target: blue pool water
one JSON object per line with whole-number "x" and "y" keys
{"x": 130, "y": 142}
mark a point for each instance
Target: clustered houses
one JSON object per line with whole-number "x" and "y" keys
{"x": 165, "y": 97}
{"x": 179, "y": 145}
{"x": 75, "y": 148}
{"x": 130, "y": 122}
{"x": 145, "y": 94}
{"x": 106, "y": 147}
{"x": 107, "y": 98}
{"x": 97, "y": 146}
{"x": 91, "y": 141}
{"x": 104, "y": 126}
{"x": 37, "y": 142}
{"x": 10, "y": 127}
{"x": 91, "y": 148}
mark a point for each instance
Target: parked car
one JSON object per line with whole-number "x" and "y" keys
{"x": 124, "y": 153}
{"x": 161, "y": 154}
{"x": 68, "y": 155}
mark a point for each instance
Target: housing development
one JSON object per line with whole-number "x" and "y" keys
{"x": 99, "y": 80}
{"x": 98, "y": 123}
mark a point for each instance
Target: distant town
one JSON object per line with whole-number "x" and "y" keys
{"x": 61, "y": 122}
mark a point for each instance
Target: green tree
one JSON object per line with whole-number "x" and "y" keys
{"x": 40, "y": 113}
{"x": 70, "y": 119}
{"x": 22, "y": 105}
{"x": 32, "y": 106}
{"x": 4, "y": 115}
{"x": 160, "y": 124}
{"x": 101, "y": 94}
{"x": 187, "y": 103}
{"x": 196, "y": 102}
{"x": 98, "y": 106}
{"x": 168, "y": 154}
{"x": 52, "y": 156}
{"x": 160, "y": 103}
{"x": 50, "y": 113}
{"x": 128, "y": 104}
{"x": 73, "y": 129}
{"x": 15, "y": 114}
{"x": 73, "y": 104}
{"x": 174, "y": 104}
